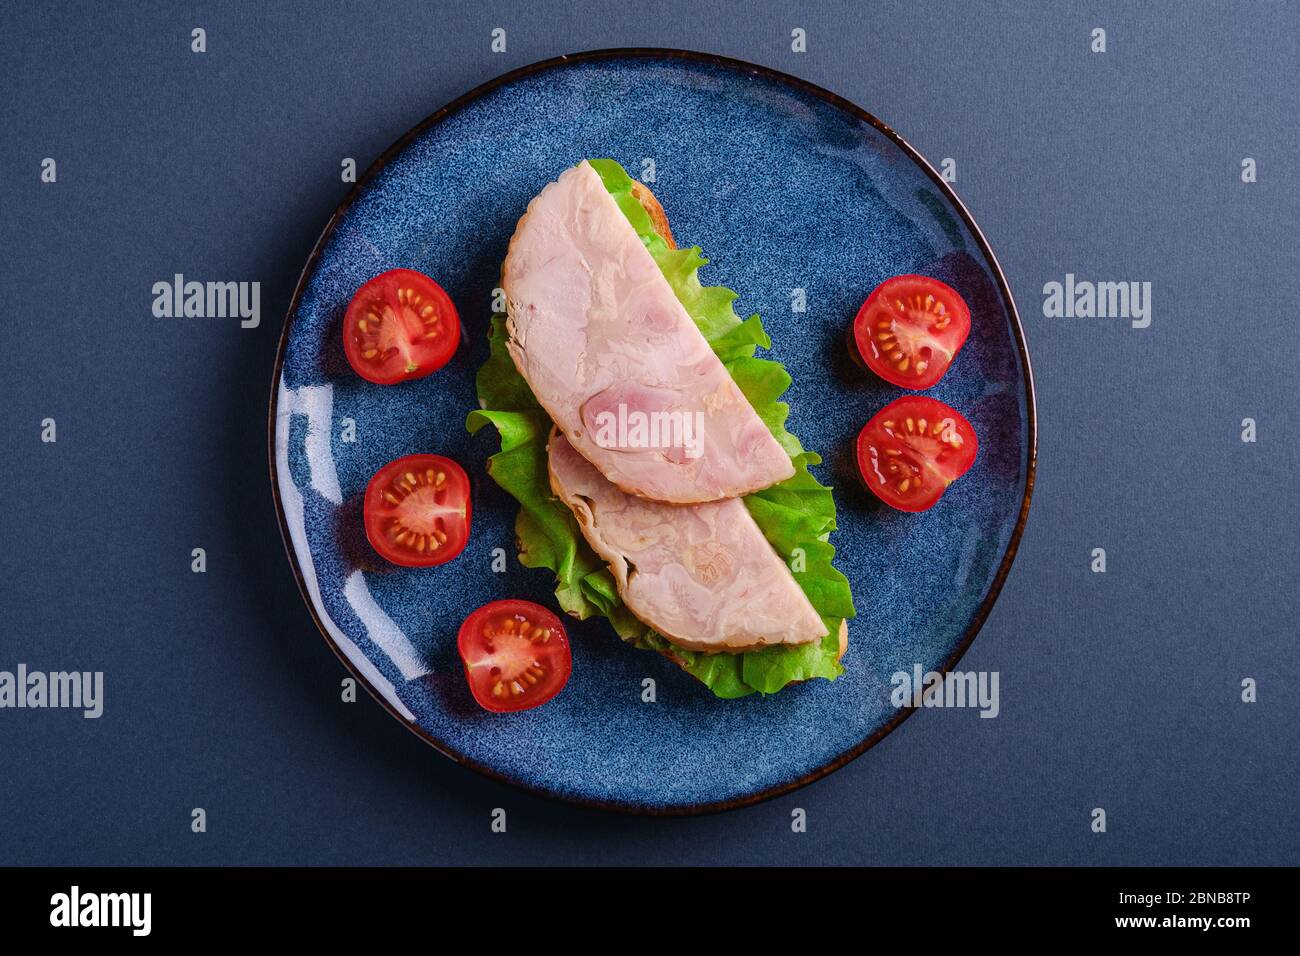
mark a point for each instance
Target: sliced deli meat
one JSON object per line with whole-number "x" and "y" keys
{"x": 701, "y": 575}
{"x": 617, "y": 362}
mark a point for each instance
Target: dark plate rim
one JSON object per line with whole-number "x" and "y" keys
{"x": 802, "y": 86}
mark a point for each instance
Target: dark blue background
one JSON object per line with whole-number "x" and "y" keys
{"x": 1118, "y": 690}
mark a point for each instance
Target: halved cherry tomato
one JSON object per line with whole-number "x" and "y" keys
{"x": 400, "y": 325}
{"x": 417, "y": 510}
{"x": 516, "y": 655}
{"x": 910, "y": 329}
{"x": 913, "y": 449}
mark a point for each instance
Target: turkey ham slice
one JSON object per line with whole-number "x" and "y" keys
{"x": 701, "y": 575}
{"x": 614, "y": 358}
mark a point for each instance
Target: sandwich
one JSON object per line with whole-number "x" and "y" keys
{"x": 708, "y": 544}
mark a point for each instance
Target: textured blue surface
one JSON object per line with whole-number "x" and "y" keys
{"x": 1119, "y": 690}
{"x": 782, "y": 190}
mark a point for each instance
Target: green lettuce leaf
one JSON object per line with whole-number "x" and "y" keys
{"x": 796, "y": 516}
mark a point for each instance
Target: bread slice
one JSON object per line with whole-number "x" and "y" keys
{"x": 642, "y": 194}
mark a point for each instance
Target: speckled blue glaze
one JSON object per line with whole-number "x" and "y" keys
{"x": 782, "y": 190}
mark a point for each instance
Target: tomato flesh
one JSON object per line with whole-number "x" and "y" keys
{"x": 910, "y": 329}
{"x": 399, "y": 326}
{"x": 417, "y": 510}
{"x": 516, "y": 655}
{"x": 913, "y": 449}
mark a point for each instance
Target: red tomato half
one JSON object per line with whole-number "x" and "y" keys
{"x": 399, "y": 326}
{"x": 910, "y": 329}
{"x": 913, "y": 450}
{"x": 516, "y": 655}
{"x": 417, "y": 510}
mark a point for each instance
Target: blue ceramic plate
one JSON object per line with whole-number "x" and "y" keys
{"x": 786, "y": 187}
